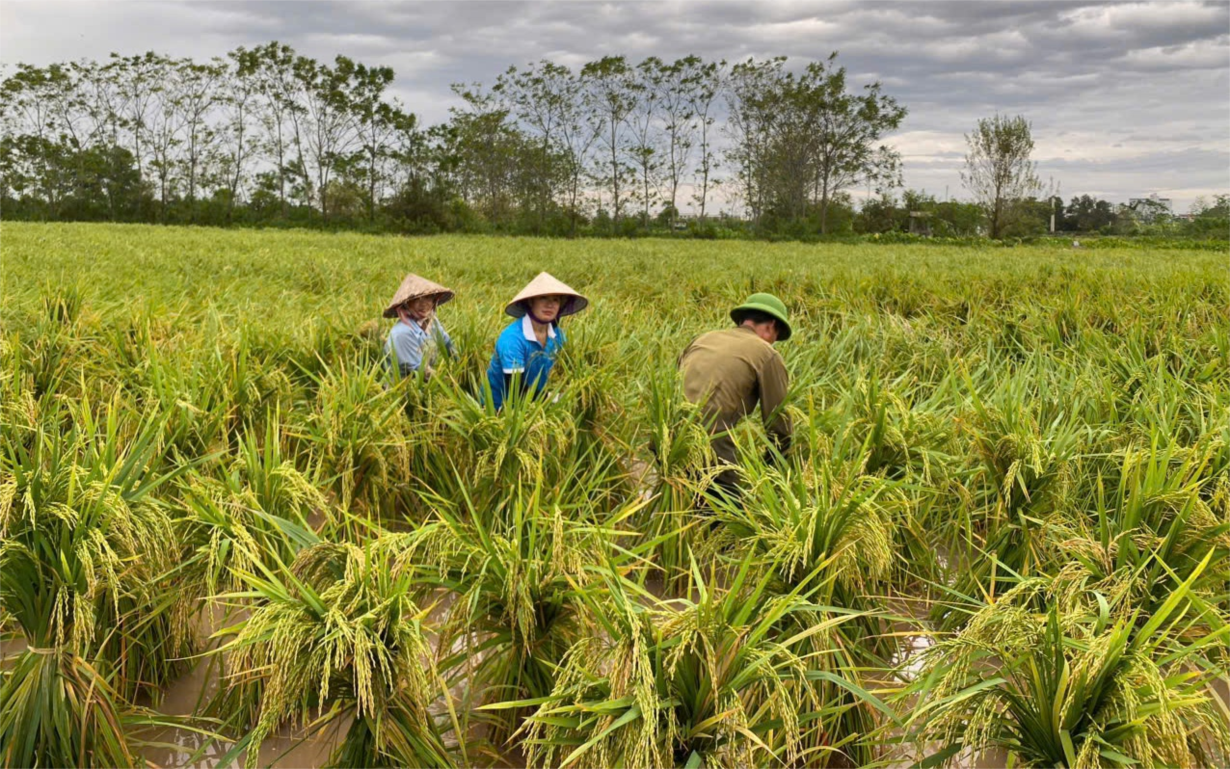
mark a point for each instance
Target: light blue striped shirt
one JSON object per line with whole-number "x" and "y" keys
{"x": 409, "y": 345}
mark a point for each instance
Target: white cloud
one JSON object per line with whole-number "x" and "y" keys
{"x": 1200, "y": 54}
{"x": 919, "y": 145}
{"x": 1128, "y": 17}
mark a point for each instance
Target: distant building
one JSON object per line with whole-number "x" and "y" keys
{"x": 1150, "y": 208}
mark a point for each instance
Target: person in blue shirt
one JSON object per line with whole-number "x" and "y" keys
{"x": 526, "y": 350}
{"x": 415, "y": 339}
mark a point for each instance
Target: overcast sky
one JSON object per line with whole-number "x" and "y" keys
{"x": 1126, "y": 99}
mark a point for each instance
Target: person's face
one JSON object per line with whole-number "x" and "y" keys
{"x": 766, "y": 331}
{"x": 546, "y": 308}
{"x": 420, "y": 307}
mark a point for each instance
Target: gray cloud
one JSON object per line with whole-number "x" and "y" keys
{"x": 1125, "y": 98}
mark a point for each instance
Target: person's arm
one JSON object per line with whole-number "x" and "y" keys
{"x": 774, "y": 382}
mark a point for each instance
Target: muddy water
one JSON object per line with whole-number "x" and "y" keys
{"x": 289, "y": 748}
{"x": 176, "y": 748}
{"x": 917, "y": 635}
{"x": 182, "y": 748}
{"x": 179, "y": 748}
{"x": 10, "y": 647}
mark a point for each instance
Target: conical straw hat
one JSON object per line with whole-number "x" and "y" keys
{"x": 414, "y": 287}
{"x": 545, "y": 285}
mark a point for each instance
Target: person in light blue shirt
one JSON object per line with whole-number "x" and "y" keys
{"x": 415, "y": 339}
{"x": 526, "y": 350}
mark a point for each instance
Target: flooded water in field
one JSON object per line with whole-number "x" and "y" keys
{"x": 282, "y": 750}
{"x": 188, "y": 748}
{"x": 288, "y": 749}
{"x": 192, "y": 746}
{"x": 184, "y": 748}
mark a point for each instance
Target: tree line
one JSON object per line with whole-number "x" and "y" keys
{"x": 267, "y": 136}
{"x": 270, "y": 134}
{"x": 262, "y": 133}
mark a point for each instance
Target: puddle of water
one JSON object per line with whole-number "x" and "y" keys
{"x": 911, "y": 627}
{"x": 912, "y": 631}
{"x": 288, "y": 748}
{"x": 643, "y": 476}
{"x": 911, "y": 654}
{"x": 178, "y": 748}
{"x": 12, "y": 646}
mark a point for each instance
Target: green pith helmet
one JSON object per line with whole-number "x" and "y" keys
{"x": 769, "y": 305}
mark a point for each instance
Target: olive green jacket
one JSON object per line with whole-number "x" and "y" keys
{"x": 729, "y": 371}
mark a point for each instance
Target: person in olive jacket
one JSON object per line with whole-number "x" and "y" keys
{"x": 729, "y": 371}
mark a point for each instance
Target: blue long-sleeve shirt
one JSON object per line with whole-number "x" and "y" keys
{"x": 409, "y": 345}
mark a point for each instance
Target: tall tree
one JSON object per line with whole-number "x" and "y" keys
{"x": 998, "y": 170}
{"x": 99, "y": 93}
{"x": 15, "y": 178}
{"x": 163, "y": 127}
{"x": 485, "y": 146}
{"x": 329, "y": 126}
{"x": 1217, "y": 208}
{"x": 281, "y": 110}
{"x": 137, "y": 78}
{"x": 800, "y": 140}
{"x": 34, "y": 100}
{"x": 240, "y": 100}
{"x": 1087, "y": 214}
{"x": 610, "y": 97}
{"x": 677, "y": 83}
{"x": 851, "y": 128}
{"x": 752, "y": 104}
{"x": 377, "y": 124}
{"x": 577, "y": 135}
{"x": 645, "y": 131}
{"x": 706, "y": 88}
{"x": 546, "y": 99}
{"x": 200, "y": 89}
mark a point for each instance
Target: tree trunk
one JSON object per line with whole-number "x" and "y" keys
{"x": 614, "y": 177}
{"x": 824, "y": 207}
{"x": 371, "y": 187}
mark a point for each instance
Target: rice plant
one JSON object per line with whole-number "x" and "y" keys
{"x": 354, "y": 437}
{"x": 683, "y": 465}
{"x": 337, "y": 633}
{"x": 1022, "y": 454}
{"x": 1073, "y": 688}
{"x": 520, "y": 582}
{"x": 83, "y": 562}
{"x": 1151, "y": 531}
{"x": 713, "y": 681}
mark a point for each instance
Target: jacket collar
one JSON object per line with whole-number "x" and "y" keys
{"x": 527, "y": 329}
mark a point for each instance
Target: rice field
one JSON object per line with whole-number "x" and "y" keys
{"x": 1001, "y": 535}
